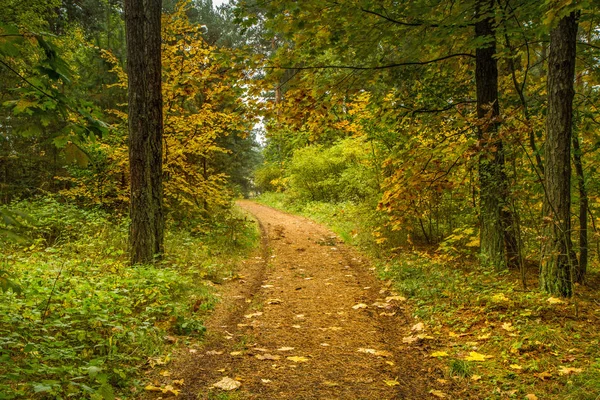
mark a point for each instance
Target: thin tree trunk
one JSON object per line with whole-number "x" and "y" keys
{"x": 497, "y": 225}
{"x": 141, "y": 237}
{"x": 558, "y": 259}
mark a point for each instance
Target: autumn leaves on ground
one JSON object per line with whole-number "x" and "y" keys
{"x": 306, "y": 318}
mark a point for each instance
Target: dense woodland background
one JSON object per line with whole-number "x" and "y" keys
{"x": 441, "y": 137}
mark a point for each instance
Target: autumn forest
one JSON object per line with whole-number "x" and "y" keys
{"x": 276, "y": 199}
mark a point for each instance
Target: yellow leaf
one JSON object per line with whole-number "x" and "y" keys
{"x": 474, "y": 356}
{"x": 359, "y": 306}
{"x": 475, "y": 377}
{"x": 178, "y": 382}
{"x": 499, "y": 298}
{"x": 298, "y": 359}
{"x": 507, "y": 326}
{"x": 516, "y": 366}
{"x": 151, "y": 388}
{"x": 438, "y": 393}
{"x": 562, "y": 370}
{"x": 391, "y": 382}
{"x": 165, "y": 373}
{"x": 439, "y": 354}
{"x": 554, "y": 300}
{"x": 531, "y": 396}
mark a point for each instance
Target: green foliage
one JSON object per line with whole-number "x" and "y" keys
{"x": 84, "y": 322}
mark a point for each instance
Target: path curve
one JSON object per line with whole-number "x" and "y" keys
{"x": 307, "y": 321}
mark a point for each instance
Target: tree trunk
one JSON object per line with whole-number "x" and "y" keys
{"x": 581, "y": 267}
{"x": 140, "y": 24}
{"x": 155, "y": 117}
{"x": 558, "y": 259}
{"x": 497, "y": 227}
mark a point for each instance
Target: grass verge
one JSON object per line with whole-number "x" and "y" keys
{"x": 77, "y": 322}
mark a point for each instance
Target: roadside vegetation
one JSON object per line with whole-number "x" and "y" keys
{"x": 77, "y": 321}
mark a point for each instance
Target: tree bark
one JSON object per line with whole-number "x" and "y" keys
{"x": 155, "y": 117}
{"x": 497, "y": 228}
{"x": 581, "y": 266}
{"x": 145, "y": 116}
{"x": 558, "y": 259}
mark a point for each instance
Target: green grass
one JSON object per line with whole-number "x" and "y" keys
{"x": 79, "y": 322}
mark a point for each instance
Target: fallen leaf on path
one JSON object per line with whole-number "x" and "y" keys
{"x": 392, "y": 382}
{"x": 227, "y": 384}
{"x": 439, "y": 354}
{"x": 388, "y": 314}
{"x": 418, "y": 327}
{"x": 265, "y": 380}
{"x": 390, "y": 363}
{"x": 359, "y": 306}
{"x": 381, "y": 353}
{"x": 298, "y": 359}
{"x": 555, "y": 300}
{"x": 274, "y": 301}
{"x": 516, "y": 366}
{"x": 531, "y": 396}
{"x": 267, "y": 357}
{"x": 214, "y": 353}
{"x": 330, "y": 384}
{"x": 324, "y": 344}
{"x": 410, "y": 339}
{"x": 296, "y": 326}
{"x": 285, "y": 349}
{"x": 236, "y": 353}
{"x": 256, "y": 314}
{"x": 164, "y": 373}
{"x": 262, "y": 349}
{"x": 562, "y": 370}
{"x": 163, "y": 389}
{"x": 438, "y": 393}
{"x": 395, "y": 298}
{"x": 474, "y": 356}
{"x": 267, "y": 286}
{"x": 379, "y": 304}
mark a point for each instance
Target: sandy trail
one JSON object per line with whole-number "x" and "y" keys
{"x": 312, "y": 299}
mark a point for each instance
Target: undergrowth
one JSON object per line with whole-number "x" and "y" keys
{"x": 495, "y": 339}
{"x": 77, "y": 322}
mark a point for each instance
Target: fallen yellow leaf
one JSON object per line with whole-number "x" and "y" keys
{"x": 507, "y": 326}
{"x": 439, "y": 354}
{"x": 516, "y": 366}
{"x": 391, "y": 382}
{"x": 298, "y": 359}
{"x": 438, "y": 393}
{"x": 531, "y": 396}
{"x": 562, "y": 370}
{"x": 359, "y": 305}
{"x": 555, "y": 300}
{"x": 474, "y": 356}
{"x": 475, "y": 377}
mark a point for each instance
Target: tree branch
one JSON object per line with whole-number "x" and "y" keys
{"x": 378, "y": 67}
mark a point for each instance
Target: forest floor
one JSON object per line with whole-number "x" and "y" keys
{"x": 304, "y": 319}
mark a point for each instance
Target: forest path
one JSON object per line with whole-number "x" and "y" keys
{"x": 306, "y": 320}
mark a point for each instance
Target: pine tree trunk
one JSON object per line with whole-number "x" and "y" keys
{"x": 145, "y": 127}
{"x": 155, "y": 117}
{"x": 497, "y": 227}
{"x": 558, "y": 259}
{"x": 581, "y": 267}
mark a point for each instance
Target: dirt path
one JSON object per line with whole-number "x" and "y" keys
{"x": 307, "y": 321}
